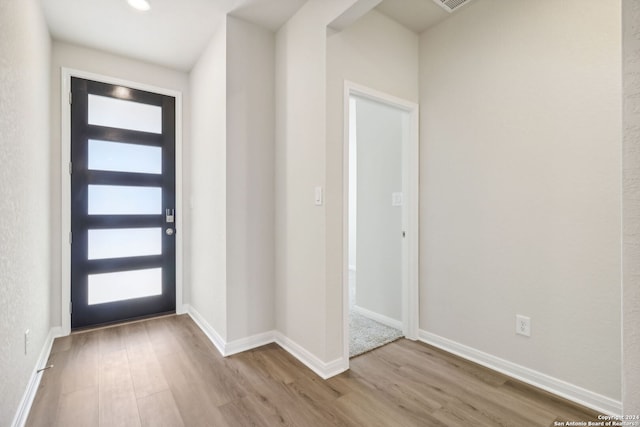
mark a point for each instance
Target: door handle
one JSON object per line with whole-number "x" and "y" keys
{"x": 169, "y": 231}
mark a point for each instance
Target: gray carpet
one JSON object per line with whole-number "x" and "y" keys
{"x": 366, "y": 334}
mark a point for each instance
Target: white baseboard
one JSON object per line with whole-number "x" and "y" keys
{"x": 598, "y": 402}
{"x": 208, "y": 330}
{"x": 20, "y": 419}
{"x": 183, "y": 309}
{"x": 228, "y": 348}
{"x": 324, "y": 370}
{"x": 392, "y": 323}
{"x": 249, "y": 343}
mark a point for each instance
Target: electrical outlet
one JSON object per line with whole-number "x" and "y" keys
{"x": 26, "y": 342}
{"x": 523, "y": 325}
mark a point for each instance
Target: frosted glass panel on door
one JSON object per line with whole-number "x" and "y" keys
{"x": 124, "y": 242}
{"x": 121, "y": 157}
{"x": 121, "y": 114}
{"x": 123, "y": 200}
{"x": 124, "y": 285}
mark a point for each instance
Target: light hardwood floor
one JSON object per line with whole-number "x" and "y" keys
{"x": 165, "y": 372}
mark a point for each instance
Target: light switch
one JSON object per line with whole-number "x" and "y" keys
{"x": 318, "y": 196}
{"x": 396, "y": 199}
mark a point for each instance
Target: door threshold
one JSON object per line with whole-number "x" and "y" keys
{"x": 121, "y": 323}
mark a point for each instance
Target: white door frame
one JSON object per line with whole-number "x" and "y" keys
{"x": 65, "y": 160}
{"x": 410, "y": 211}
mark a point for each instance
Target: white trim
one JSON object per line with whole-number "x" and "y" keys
{"x": 228, "y": 348}
{"x": 208, "y": 330}
{"x": 324, "y": 370}
{"x": 410, "y": 215}
{"x": 65, "y": 157}
{"x": 249, "y": 343}
{"x": 345, "y": 225}
{"x": 65, "y": 208}
{"x": 20, "y": 418}
{"x": 378, "y": 96}
{"x": 183, "y": 309}
{"x": 380, "y": 318}
{"x": 598, "y": 402}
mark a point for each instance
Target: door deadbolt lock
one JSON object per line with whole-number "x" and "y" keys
{"x": 170, "y": 215}
{"x": 169, "y": 231}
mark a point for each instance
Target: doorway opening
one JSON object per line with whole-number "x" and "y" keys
{"x": 381, "y": 219}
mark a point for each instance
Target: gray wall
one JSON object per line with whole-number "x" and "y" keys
{"x": 24, "y": 196}
{"x": 208, "y": 183}
{"x": 380, "y": 134}
{"x": 520, "y": 185}
{"x": 631, "y": 204}
{"x": 250, "y": 179}
{"x": 232, "y": 178}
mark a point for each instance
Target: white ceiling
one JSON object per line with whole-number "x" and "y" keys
{"x": 174, "y": 33}
{"x": 416, "y": 15}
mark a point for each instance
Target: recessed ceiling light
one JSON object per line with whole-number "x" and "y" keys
{"x": 142, "y": 5}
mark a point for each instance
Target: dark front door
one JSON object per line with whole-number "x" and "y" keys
{"x": 122, "y": 203}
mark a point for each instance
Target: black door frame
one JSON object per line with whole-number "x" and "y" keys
{"x": 82, "y": 177}
{"x": 65, "y": 246}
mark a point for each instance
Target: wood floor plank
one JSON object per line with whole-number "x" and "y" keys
{"x": 345, "y": 383}
{"x": 488, "y": 400}
{"x": 499, "y": 405}
{"x": 146, "y": 373}
{"x": 443, "y": 359}
{"x": 147, "y": 376}
{"x": 165, "y": 371}
{"x": 299, "y": 410}
{"x": 565, "y": 411}
{"x": 241, "y": 412}
{"x": 209, "y": 374}
{"x": 303, "y": 401}
{"x": 135, "y": 333}
{"x": 314, "y": 389}
{"x": 244, "y": 365}
{"x": 159, "y": 410}
{"x": 196, "y": 405}
{"x": 118, "y": 405}
{"x": 403, "y": 387}
{"x": 265, "y": 392}
{"x": 278, "y": 365}
{"x": 82, "y": 368}
{"x": 463, "y": 417}
{"x": 79, "y": 409}
{"x": 160, "y": 336}
{"x": 186, "y": 332}
{"x": 249, "y": 366}
{"x": 110, "y": 340}
{"x": 62, "y": 344}
{"x": 367, "y": 409}
{"x": 47, "y": 398}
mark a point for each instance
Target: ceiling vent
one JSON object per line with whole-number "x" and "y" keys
{"x": 451, "y": 5}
